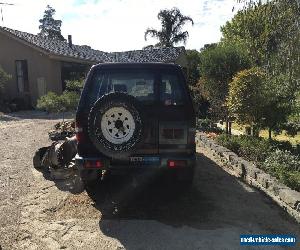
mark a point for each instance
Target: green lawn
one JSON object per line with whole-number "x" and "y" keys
{"x": 281, "y": 137}
{"x": 237, "y": 126}
{"x": 265, "y": 134}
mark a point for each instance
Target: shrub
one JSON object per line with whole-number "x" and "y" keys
{"x": 284, "y": 160}
{"x": 54, "y": 103}
{"x": 70, "y": 100}
{"x": 204, "y": 124}
{"x": 297, "y": 148}
{"x": 230, "y": 142}
{"x": 282, "y": 145}
{"x": 251, "y": 148}
{"x": 291, "y": 128}
{"x": 4, "y": 78}
{"x": 51, "y": 103}
{"x": 75, "y": 85}
{"x": 285, "y": 166}
{"x": 208, "y": 125}
{"x": 274, "y": 157}
{"x": 292, "y": 179}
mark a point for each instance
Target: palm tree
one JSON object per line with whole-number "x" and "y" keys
{"x": 171, "y": 32}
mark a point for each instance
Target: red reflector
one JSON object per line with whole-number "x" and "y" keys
{"x": 171, "y": 164}
{"x": 176, "y": 163}
{"x": 99, "y": 164}
{"x": 79, "y": 137}
{"x": 93, "y": 164}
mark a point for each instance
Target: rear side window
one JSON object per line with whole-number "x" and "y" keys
{"x": 134, "y": 82}
{"x": 171, "y": 90}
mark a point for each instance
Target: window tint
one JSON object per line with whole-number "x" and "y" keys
{"x": 137, "y": 83}
{"x": 140, "y": 85}
{"x": 171, "y": 91}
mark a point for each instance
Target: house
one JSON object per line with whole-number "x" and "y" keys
{"x": 38, "y": 64}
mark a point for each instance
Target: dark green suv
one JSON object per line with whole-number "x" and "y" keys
{"x": 136, "y": 116}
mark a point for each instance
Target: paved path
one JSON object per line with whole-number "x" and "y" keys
{"x": 124, "y": 212}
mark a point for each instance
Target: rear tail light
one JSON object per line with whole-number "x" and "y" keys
{"x": 176, "y": 163}
{"x": 93, "y": 164}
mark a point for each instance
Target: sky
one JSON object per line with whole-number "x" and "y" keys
{"x": 119, "y": 25}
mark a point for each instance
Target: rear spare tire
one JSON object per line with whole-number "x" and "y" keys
{"x": 115, "y": 125}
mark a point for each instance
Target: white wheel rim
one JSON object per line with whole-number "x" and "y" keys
{"x": 117, "y": 125}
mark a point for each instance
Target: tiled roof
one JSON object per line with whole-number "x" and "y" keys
{"x": 62, "y": 48}
{"x": 148, "y": 55}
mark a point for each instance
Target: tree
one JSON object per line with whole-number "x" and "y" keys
{"x": 172, "y": 22}
{"x": 271, "y": 36}
{"x": 50, "y": 27}
{"x": 218, "y": 66}
{"x": 263, "y": 28}
{"x": 295, "y": 115}
{"x": 193, "y": 61}
{"x": 292, "y": 127}
{"x": 252, "y": 100}
{"x": 208, "y": 46}
{"x": 200, "y": 100}
{"x": 247, "y": 96}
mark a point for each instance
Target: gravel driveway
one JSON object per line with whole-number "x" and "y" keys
{"x": 126, "y": 212}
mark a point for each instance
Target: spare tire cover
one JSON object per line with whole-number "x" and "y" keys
{"x": 115, "y": 125}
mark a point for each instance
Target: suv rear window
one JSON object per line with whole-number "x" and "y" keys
{"x": 139, "y": 84}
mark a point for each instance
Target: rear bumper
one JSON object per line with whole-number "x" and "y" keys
{"x": 161, "y": 164}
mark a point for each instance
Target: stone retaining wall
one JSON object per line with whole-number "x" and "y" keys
{"x": 287, "y": 198}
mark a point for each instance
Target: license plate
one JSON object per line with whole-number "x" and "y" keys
{"x": 145, "y": 160}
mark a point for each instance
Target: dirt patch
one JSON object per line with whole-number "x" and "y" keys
{"x": 123, "y": 213}
{"x": 75, "y": 206}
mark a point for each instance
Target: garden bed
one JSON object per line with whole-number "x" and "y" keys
{"x": 279, "y": 159}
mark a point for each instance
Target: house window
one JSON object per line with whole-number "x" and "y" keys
{"x": 22, "y": 76}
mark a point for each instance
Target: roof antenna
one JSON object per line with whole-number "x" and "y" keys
{"x": 2, "y": 18}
